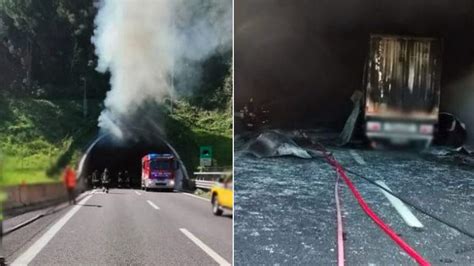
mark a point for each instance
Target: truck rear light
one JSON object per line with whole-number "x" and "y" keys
{"x": 374, "y": 126}
{"x": 426, "y": 129}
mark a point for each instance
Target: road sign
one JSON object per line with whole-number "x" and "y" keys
{"x": 205, "y": 156}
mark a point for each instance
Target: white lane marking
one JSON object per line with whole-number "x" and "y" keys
{"x": 357, "y": 157}
{"x": 35, "y": 249}
{"x": 98, "y": 191}
{"x": 194, "y": 196}
{"x": 401, "y": 208}
{"x": 138, "y": 193}
{"x": 153, "y": 205}
{"x": 204, "y": 247}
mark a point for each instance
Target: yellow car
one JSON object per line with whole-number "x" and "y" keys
{"x": 222, "y": 196}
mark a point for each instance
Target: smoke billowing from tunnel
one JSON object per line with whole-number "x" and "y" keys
{"x": 149, "y": 45}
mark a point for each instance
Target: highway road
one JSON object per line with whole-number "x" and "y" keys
{"x": 126, "y": 227}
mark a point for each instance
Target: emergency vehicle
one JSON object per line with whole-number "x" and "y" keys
{"x": 158, "y": 171}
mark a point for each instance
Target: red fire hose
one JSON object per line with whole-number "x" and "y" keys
{"x": 340, "y": 230}
{"x": 408, "y": 249}
{"x": 400, "y": 242}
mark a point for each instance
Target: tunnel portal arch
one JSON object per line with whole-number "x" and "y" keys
{"x": 107, "y": 151}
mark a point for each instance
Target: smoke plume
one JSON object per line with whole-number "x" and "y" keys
{"x": 148, "y": 45}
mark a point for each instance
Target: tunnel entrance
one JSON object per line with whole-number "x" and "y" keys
{"x": 122, "y": 156}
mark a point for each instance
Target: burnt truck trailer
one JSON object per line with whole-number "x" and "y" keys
{"x": 402, "y": 89}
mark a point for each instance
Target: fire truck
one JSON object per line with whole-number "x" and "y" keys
{"x": 159, "y": 171}
{"x": 402, "y": 85}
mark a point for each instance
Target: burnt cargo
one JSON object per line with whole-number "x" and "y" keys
{"x": 402, "y": 82}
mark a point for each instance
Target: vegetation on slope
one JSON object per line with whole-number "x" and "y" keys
{"x": 38, "y": 137}
{"x": 47, "y": 62}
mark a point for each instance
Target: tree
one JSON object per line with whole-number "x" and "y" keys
{"x": 50, "y": 41}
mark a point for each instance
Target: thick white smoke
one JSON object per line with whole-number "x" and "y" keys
{"x": 146, "y": 44}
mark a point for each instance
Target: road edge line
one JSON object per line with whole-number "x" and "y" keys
{"x": 20, "y": 225}
{"x": 194, "y": 196}
{"x": 153, "y": 204}
{"x": 220, "y": 260}
{"x": 357, "y": 157}
{"x": 35, "y": 249}
{"x": 406, "y": 214}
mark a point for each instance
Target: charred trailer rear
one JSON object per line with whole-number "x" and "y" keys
{"x": 402, "y": 89}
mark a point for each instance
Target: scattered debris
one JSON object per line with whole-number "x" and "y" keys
{"x": 451, "y": 131}
{"x": 460, "y": 155}
{"x": 464, "y": 150}
{"x": 348, "y": 130}
{"x": 438, "y": 151}
{"x": 274, "y": 144}
{"x": 465, "y": 248}
{"x": 316, "y": 153}
{"x": 446, "y": 260}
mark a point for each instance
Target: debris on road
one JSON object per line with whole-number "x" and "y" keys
{"x": 461, "y": 155}
{"x": 275, "y": 144}
{"x": 349, "y": 126}
{"x": 451, "y": 131}
{"x": 434, "y": 187}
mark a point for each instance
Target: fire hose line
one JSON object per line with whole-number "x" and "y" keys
{"x": 458, "y": 228}
{"x": 400, "y": 242}
{"x": 340, "y": 229}
{"x": 414, "y": 206}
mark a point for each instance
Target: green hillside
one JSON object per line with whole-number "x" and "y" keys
{"x": 190, "y": 127}
{"x": 47, "y": 65}
{"x": 38, "y": 137}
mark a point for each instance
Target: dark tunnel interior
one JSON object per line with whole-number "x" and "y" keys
{"x": 121, "y": 156}
{"x": 305, "y": 58}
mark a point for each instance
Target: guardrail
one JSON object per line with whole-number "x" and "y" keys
{"x": 203, "y": 184}
{"x": 205, "y": 180}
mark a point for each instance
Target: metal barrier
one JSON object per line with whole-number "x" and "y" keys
{"x": 203, "y": 184}
{"x": 205, "y": 180}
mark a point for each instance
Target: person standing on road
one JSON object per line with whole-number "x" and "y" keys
{"x": 120, "y": 179}
{"x": 105, "y": 180}
{"x": 69, "y": 178}
{"x": 127, "y": 179}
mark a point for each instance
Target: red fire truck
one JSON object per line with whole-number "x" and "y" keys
{"x": 159, "y": 171}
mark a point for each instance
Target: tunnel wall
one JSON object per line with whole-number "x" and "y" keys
{"x": 461, "y": 103}
{"x": 307, "y": 57}
{"x": 457, "y": 92}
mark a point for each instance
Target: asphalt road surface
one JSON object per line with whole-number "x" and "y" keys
{"x": 126, "y": 227}
{"x": 285, "y": 209}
